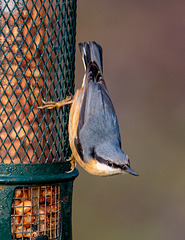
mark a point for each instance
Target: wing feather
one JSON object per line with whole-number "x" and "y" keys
{"x": 97, "y": 119}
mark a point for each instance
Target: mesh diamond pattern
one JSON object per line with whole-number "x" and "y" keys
{"x": 36, "y": 211}
{"x": 37, "y": 48}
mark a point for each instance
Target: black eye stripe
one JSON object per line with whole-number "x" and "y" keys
{"x": 104, "y": 161}
{"x": 116, "y": 165}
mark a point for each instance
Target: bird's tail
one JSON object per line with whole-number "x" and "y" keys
{"x": 91, "y": 52}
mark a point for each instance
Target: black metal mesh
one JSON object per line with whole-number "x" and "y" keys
{"x": 36, "y": 211}
{"x": 37, "y": 47}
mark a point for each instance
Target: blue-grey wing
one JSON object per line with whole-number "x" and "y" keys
{"x": 97, "y": 120}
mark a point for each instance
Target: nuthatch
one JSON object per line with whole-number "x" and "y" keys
{"x": 94, "y": 135}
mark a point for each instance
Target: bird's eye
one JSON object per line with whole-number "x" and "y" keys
{"x": 124, "y": 167}
{"x": 110, "y": 164}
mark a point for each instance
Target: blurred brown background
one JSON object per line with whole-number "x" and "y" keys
{"x": 144, "y": 68}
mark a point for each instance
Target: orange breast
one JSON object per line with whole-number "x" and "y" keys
{"x": 72, "y": 129}
{"x": 73, "y": 121}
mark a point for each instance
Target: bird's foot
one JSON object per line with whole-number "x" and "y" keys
{"x": 72, "y": 161}
{"x": 50, "y": 105}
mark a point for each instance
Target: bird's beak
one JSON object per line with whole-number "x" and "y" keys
{"x": 130, "y": 170}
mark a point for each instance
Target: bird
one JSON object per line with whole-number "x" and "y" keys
{"x": 93, "y": 128}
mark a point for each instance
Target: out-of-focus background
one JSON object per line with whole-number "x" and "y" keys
{"x": 144, "y": 68}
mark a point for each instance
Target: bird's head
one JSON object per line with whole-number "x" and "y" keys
{"x": 111, "y": 160}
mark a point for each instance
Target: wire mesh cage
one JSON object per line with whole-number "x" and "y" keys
{"x": 37, "y": 62}
{"x": 36, "y": 211}
{"x": 37, "y": 57}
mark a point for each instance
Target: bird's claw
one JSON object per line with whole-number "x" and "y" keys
{"x": 51, "y": 105}
{"x": 72, "y": 161}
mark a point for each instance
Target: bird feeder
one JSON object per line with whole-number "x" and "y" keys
{"x": 37, "y": 60}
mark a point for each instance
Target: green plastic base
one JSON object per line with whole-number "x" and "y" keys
{"x": 36, "y": 173}
{"x": 21, "y": 175}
